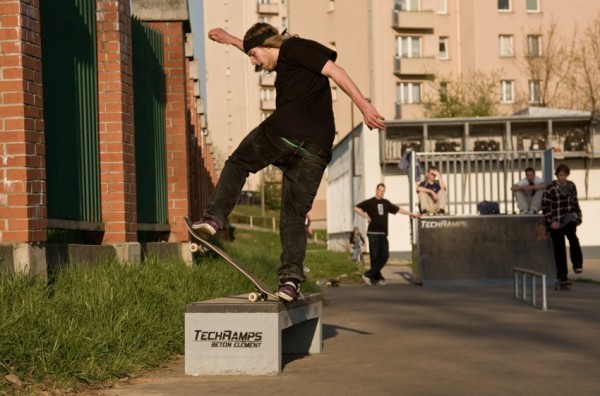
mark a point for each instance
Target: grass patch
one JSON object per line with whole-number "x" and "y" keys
{"x": 96, "y": 323}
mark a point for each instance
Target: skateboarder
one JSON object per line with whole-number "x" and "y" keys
{"x": 297, "y": 137}
{"x": 560, "y": 207}
{"x": 376, "y": 210}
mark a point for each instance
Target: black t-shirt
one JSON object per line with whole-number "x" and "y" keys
{"x": 378, "y": 210}
{"x": 304, "y": 111}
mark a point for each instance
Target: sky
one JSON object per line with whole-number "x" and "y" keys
{"x": 197, "y": 22}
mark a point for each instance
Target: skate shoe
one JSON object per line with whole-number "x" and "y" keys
{"x": 206, "y": 227}
{"x": 288, "y": 292}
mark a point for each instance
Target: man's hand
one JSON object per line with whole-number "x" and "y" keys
{"x": 372, "y": 117}
{"x": 222, "y": 37}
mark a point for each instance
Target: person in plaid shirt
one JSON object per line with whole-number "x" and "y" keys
{"x": 563, "y": 214}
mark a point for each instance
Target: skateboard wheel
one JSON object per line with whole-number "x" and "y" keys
{"x": 194, "y": 247}
{"x": 264, "y": 297}
{"x": 253, "y": 297}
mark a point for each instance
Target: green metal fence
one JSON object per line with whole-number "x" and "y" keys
{"x": 149, "y": 117}
{"x": 71, "y": 109}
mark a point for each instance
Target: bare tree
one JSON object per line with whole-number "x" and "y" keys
{"x": 546, "y": 61}
{"x": 586, "y": 55}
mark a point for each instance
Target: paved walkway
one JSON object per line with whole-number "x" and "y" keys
{"x": 403, "y": 339}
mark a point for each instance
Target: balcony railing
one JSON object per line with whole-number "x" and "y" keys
{"x": 267, "y": 105}
{"x": 267, "y": 80}
{"x": 414, "y": 66}
{"x": 269, "y": 8}
{"x": 413, "y": 20}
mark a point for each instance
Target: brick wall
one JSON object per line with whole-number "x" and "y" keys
{"x": 190, "y": 170}
{"x": 116, "y": 121}
{"x": 22, "y": 147}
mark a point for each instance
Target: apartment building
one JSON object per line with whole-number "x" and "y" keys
{"x": 238, "y": 98}
{"x": 392, "y": 49}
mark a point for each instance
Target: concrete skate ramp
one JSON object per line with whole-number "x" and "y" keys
{"x": 455, "y": 250}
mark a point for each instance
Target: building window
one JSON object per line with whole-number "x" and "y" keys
{"x": 506, "y": 44}
{"x": 334, "y": 94}
{"x": 264, "y": 19}
{"x": 533, "y": 5}
{"x": 267, "y": 94}
{"x": 408, "y": 92}
{"x": 507, "y": 91}
{"x": 534, "y": 91}
{"x": 442, "y": 7}
{"x": 534, "y": 45}
{"x": 331, "y": 5}
{"x": 407, "y": 5}
{"x": 443, "y": 50}
{"x": 409, "y": 46}
{"x": 503, "y": 5}
{"x": 265, "y": 114}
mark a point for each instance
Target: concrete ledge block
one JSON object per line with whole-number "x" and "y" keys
{"x": 232, "y": 336}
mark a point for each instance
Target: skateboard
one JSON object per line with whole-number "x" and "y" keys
{"x": 562, "y": 285}
{"x": 262, "y": 292}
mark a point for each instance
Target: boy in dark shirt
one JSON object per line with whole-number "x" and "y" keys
{"x": 297, "y": 137}
{"x": 376, "y": 210}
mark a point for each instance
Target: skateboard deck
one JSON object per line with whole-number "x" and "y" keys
{"x": 262, "y": 293}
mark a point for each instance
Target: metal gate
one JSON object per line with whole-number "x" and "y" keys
{"x": 71, "y": 109}
{"x": 149, "y": 113}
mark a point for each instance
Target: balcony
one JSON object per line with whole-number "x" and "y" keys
{"x": 413, "y": 66}
{"x": 267, "y": 105}
{"x": 267, "y": 80}
{"x": 268, "y": 9}
{"x": 406, "y": 21}
{"x": 408, "y": 111}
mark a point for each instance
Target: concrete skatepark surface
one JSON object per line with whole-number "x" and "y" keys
{"x": 404, "y": 339}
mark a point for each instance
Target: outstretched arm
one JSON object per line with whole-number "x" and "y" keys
{"x": 221, "y": 36}
{"x": 416, "y": 215}
{"x": 372, "y": 117}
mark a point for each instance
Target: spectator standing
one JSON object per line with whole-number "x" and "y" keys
{"x": 376, "y": 211}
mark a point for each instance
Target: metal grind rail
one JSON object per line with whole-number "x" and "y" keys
{"x": 525, "y": 274}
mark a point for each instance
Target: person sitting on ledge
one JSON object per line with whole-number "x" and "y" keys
{"x": 432, "y": 192}
{"x": 529, "y": 192}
